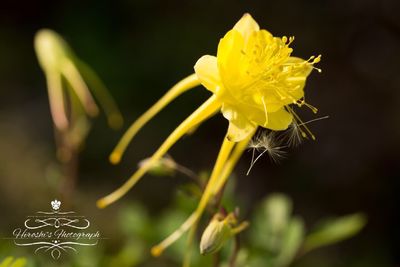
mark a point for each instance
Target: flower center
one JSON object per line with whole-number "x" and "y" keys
{"x": 272, "y": 78}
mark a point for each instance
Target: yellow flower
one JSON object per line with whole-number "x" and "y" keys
{"x": 71, "y": 101}
{"x": 253, "y": 80}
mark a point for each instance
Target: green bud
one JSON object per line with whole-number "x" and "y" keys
{"x": 215, "y": 235}
{"x": 51, "y": 49}
{"x": 165, "y": 166}
{"x": 219, "y": 230}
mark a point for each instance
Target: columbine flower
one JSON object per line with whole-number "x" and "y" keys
{"x": 69, "y": 95}
{"x": 253, "y": 81}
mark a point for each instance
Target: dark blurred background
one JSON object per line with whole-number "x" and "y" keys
{"x": 141, "y": 48}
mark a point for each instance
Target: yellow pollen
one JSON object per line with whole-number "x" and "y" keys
{"x": 313, "y": 109}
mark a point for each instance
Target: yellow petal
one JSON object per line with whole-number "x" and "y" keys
{"x": 231, "y": 60}
{"x": 246, "y": 26}
{"x": 279, "y": 120}
{"x": 256, "y": 45}
{"x": 239, "y": 126}
{"x": 238, "y": 133}
{"x": 206, "y": 69}
{"x": 229, "y": 49}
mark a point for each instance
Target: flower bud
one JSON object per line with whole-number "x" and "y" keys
{"x": 165, "y": 166}
{"x": 219, "y": 230}
{"x": 215, "y": 235}
{"x": 51, "y": 49}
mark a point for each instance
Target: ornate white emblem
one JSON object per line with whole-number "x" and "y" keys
{"x": 55, "y": 204}
{"x": 55, "y": 231}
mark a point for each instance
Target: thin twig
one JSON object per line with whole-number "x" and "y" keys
{"x": 70, "y": 177}
{"x": 235, "y": 253}
{"x": 69, "y": 157}
{"x": 216, "y": 259}
{"x": 189, "y": 173}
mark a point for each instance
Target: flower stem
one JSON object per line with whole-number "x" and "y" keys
{"x": 190, "y": 174}
{"x": 70, "y": 176}
{"x": 231, "y": 163}
{"x": 222, "y": 169}
{"x": 236, "y": 249}
{"x": 223, "y": 155}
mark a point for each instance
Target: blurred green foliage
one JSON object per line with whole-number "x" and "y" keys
{"x": 10, "y": 262}
{"x": 334, "y": 230}
{"x": 276, "y": 237}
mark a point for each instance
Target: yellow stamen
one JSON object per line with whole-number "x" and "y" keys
{"x": 202, "y": 113}
{"x": 181, "y": 87}
{"x": 315, "y": 60}
{"x": 313, "y": 109}
{"x": 297, "y": 119}
{"x": 265, "y": 111}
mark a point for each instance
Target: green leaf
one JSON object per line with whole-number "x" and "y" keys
{"x": 278, "y": 208}
{"x": 133, "y": 220}
{"x": 334, "y": 230}
{"x": 292, "y": 240}
{"x": 270, "y": 222}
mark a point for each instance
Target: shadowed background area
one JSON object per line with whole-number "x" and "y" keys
{"x": 141, "y": 48}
